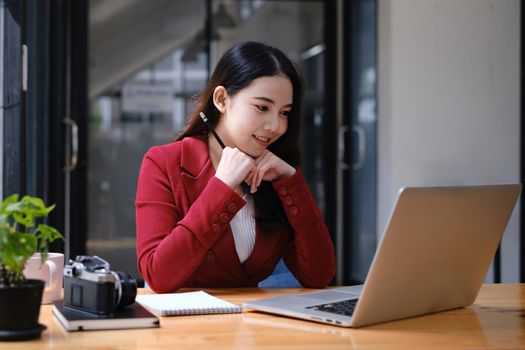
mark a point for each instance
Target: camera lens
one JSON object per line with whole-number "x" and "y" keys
{"x": 126, "y": 287}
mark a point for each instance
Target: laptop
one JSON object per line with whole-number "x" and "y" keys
{"x": 434, "y": 256}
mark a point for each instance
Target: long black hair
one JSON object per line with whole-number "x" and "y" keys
{"x": 237, "y": 68}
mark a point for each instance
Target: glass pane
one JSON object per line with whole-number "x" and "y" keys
{"x": 142, "y": 90}
{"x": 138, "y": 103}
{"x": 363, "y": 135}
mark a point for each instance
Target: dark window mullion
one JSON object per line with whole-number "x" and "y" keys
{"x": 13, "y": 165}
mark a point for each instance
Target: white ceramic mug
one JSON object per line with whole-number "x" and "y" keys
{"x": 51, "y": 272}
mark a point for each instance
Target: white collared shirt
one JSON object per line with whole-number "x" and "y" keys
{"x": 243, "y": 228}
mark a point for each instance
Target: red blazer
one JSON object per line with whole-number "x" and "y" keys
{"x": 184, "y": 238}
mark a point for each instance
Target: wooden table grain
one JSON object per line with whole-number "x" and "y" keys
{"x": 495, "y": 321}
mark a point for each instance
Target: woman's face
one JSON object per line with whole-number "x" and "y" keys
{"x": 257, "y": 115}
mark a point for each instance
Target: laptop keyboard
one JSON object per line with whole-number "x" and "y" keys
{"x": 345, "y": 307}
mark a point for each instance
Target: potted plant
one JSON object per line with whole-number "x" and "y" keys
{"x": 20, "y": 298}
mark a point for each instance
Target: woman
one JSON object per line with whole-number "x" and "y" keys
{"x": 213, "y": 217}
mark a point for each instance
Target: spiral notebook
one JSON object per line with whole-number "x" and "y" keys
{"x": 189, "y": 303}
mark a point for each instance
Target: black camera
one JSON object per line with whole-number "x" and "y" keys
{"x": 90, "y": 285}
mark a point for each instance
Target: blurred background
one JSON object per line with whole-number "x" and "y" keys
{"x": 397, "y": 93}
{"x": 145, "y": 72}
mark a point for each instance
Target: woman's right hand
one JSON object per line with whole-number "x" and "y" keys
{"x": 234, "y": 167}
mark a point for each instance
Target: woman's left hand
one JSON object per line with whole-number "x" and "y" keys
{"x": 269, "y": 167}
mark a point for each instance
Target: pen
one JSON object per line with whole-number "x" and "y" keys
{"x": 205, "y": 119}
{"x": 244, "y": 185}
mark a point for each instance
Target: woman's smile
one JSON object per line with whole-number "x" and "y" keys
{"x": 262, "y": 141}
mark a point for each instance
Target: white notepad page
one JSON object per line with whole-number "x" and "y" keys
{"x": 189, "y": 303}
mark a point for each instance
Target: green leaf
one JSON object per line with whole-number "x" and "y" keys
{"x": 3, "y": 220}
{"x": 4, "y": 232}
{"x": 11, "y": 199}
{"x": 48, "y": 232}
{"x": 19, "y": 248}
{"x": 35, "y": 206}
{"x": 47, "y": 235}
{"x": 24, "y": 218}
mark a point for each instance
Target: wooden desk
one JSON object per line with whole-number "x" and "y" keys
{"x": 496, "y": 320}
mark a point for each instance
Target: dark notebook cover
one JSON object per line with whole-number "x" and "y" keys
{"x": 132, "y": 316}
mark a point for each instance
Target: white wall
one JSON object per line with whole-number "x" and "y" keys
{"x": 449, "y": 100}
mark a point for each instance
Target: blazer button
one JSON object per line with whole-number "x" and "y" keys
{"x": 216, "y": 228}
{"x": 232, "y": 207}
{"x": 294, "y": 211}
{"x": 283, "y": 190}
{"x": 288, "y": 200}
{"x": 224, "y": 218}
{"x": 210, "y": 257}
